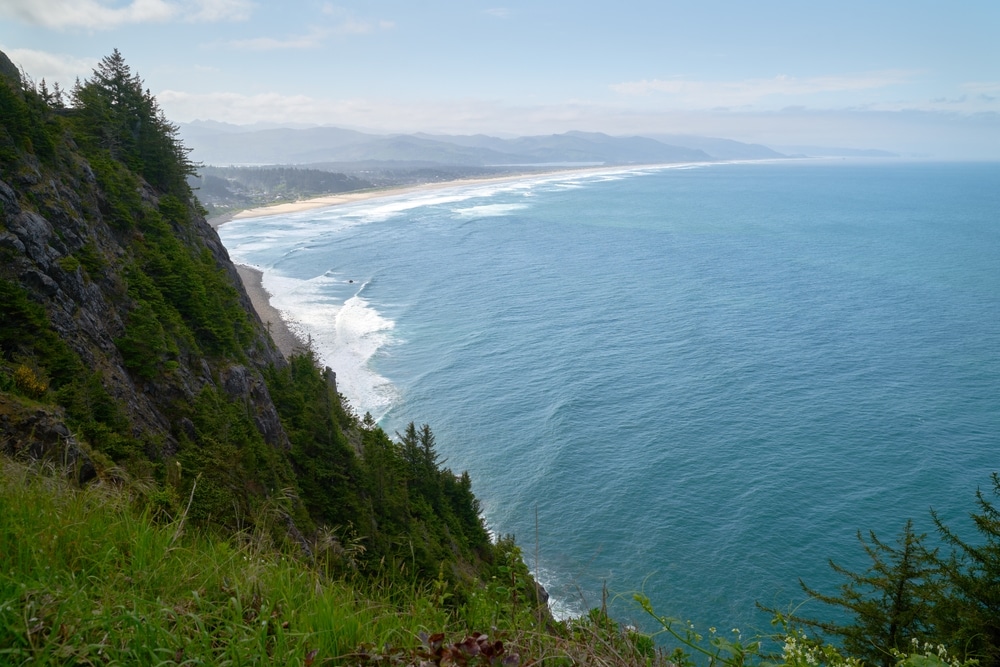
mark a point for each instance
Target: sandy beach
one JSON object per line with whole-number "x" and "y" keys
{"x": 309, "y": 204}
{"x": 283, "y": 336}
{"x": 286, "y": 340}
{"x": 363, "y": 195}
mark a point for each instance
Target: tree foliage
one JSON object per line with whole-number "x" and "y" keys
{"x": 888, "y": 604}
{"x": 913, "y": 595}
{"x": 970, "y": 615}
{"x": 27, "y": 123}
{"x": 179, "y": 331}
{"x": 409, "y": 512}
{"x": 112, "y": 112}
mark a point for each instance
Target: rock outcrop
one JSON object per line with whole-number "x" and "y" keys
{"x": 58, "y": 242}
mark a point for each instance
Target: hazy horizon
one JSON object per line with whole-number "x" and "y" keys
{"x": 915, "y": 80}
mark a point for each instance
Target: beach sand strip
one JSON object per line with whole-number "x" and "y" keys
{"x": 283, "y": 336}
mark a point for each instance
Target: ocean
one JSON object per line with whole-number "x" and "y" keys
{"x": 698, "y": 382}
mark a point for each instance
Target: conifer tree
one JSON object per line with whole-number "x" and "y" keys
{"x": 432, "y": 476}
{"x": 889, "y": 604}
{"x": 409, "y": 441}
{"x": 113, "y": 112}
{"x": 969, "y": 620}
{"x": 427, "y": 443}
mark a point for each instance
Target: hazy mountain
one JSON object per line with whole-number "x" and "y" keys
{"x": 722, "y": 149}
{"x": 404, "y": 148}
{"x": 831, "y": 151}
{"x": 217, "y": 143}
{"x": 224, "y": 146}
{"x": 597, "y": 147}
{"x": 221, "y": 144}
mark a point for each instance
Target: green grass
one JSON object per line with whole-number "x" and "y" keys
{"x": 89, "y": 577}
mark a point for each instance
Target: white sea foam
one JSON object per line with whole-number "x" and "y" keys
{"x": 561, "y": 607}
{"x": 346, "y": 331}
{"x": 379, "y": 210}
{"x": 345, "y": 336}
{"x": 488, "y": 210}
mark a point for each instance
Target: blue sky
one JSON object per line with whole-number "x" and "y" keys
{"x": 914, "y": 77}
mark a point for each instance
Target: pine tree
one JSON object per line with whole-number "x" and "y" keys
{"x": 970, "y": 619}
{"x": 427, "y": 442}
{"x": 113, "y": 112}
{"x": 889, "y": 604}
{"x": 431, "y": 483}
{"x": 409, "y": 441}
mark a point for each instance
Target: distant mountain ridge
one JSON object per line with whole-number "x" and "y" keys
{"x": 833, "y": 151}
{"x": 722, "y": 149}
{"x": 221, "y": 144}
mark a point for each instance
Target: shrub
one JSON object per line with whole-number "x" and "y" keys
{"x": 28, "y": 382}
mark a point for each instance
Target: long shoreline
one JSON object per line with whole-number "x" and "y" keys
{"x": 281, "y": 332}
{"x": 326, "y": 201}
{"x": 287, "y": 341}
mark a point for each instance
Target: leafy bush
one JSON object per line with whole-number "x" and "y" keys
{"x": 28, "y": 382}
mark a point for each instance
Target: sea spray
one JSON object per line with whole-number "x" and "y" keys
{"x": 344, "y": 335}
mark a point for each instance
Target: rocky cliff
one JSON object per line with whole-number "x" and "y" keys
{"x": 130, "y": 350}
{"x": 64, "y": 249}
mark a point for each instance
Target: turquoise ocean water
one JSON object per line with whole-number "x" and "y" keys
{"x": 702, "y": 381}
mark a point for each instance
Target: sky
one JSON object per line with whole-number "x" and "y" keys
{"x": 914, "y": 77}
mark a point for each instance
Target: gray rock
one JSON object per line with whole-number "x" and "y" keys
{"x": 43, "y": 435}
{"x": 39, "y": 282}
{"x": 11, "y": 242}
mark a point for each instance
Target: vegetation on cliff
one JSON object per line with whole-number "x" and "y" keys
{"x": 123, "y": 321}
{"x": 97, "y": 576}
{"x": 224, "y": 504}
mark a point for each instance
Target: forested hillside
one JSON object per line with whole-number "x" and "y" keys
{"x": 224, "y": 189}
{"x": 175, "y": 491}
{"x": 129, "y": 348}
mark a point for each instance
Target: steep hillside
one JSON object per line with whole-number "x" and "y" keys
{"x": 129, "y": 348}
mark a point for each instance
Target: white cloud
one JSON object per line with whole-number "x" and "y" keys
{"x": 497, "y": 12}
{"x": 311, "y": 40}
{"x": 106, "y": 14}
{"x": 985, "y": 89}
{"x": 53, "y": 67}
{"x": 211, "y": 11}
{"x": 353, "y": 26}
{"x": 345, "y": 24}
{"x": 240, "y": 109}
{"x": 713, "y": 94}
{"x": 382, "y": 114}
{"x": 87, "y": 13}
{"x": 938, "y": 133}
{"x": 349, "y": 24}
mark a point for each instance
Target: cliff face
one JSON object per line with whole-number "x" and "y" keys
{"x": 129, "y": 348}
{"x": 50, "y": 220}
{"x": 60, "y": 251}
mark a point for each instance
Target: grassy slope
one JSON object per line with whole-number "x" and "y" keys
{"x": 91, "y": 576}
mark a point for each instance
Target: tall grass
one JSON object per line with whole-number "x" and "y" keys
{"x": 93, "y": 577}
{"x": 88, "y": 578}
